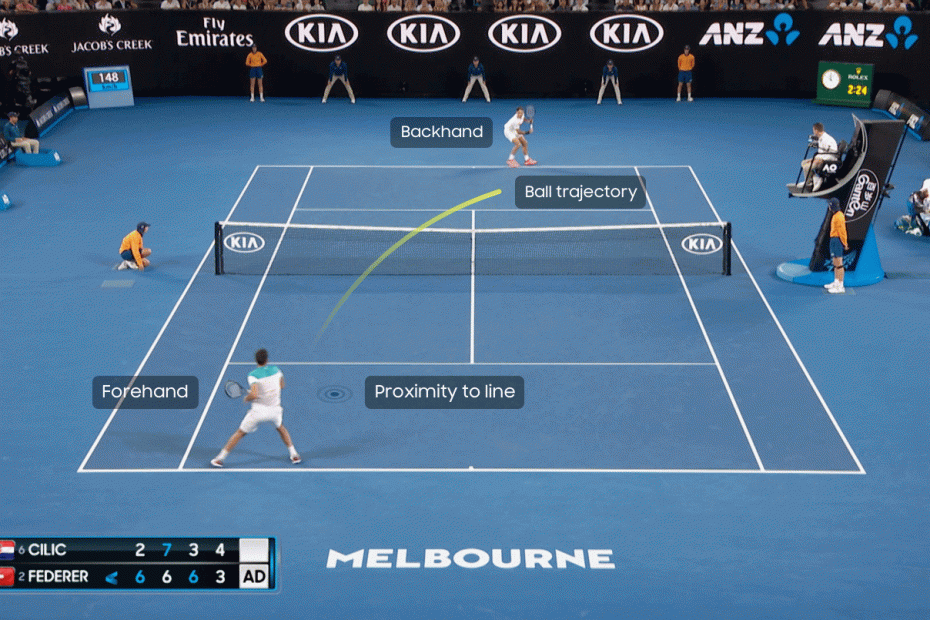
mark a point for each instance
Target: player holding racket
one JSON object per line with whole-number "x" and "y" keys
{"x": 265, "y": 385}
{"x": 516, "y": 135}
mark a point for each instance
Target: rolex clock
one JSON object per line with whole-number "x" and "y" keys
{"x": 845, "y": 84}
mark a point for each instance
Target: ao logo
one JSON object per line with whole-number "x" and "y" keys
{"x": 8, "y": 29}
{"x": 321, "y": 33}
{"x": 524, "y": 34}
{"x": 244, "y": 242}
{"x": 626, "y": 33}
{"x": 109, "y": 25}
{"x": 423, "y": 33}
{"x": 701, "y": 243}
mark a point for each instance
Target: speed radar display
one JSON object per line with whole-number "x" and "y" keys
{"x": 843, "y": 83}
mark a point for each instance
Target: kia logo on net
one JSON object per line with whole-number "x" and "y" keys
{"x": 321, "y": 33}
{"x": 244, "y": 242}
{"x": 702, "y": 243}
{"x": 524, "y": 33}
{"x": 627, "y": 34}
{"x": 423, "y": 33}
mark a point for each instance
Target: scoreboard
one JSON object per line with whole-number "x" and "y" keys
{"x": 108, "y": 87}
{"x": 138, "y": 564}
{"x": 843, "y": 83}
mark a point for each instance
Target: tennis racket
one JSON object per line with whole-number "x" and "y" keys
{"x": 530, "y": 113}
{"x": 233, "y": 389}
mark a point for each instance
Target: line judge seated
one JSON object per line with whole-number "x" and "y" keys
{"x": 14, "y": 135}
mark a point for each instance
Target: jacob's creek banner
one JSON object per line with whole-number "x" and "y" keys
{"x": 555, "y": 54}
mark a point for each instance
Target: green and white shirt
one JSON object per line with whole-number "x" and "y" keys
{"x": 269, "y": 385}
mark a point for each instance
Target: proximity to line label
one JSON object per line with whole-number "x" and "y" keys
{"x": 444, "y": 392}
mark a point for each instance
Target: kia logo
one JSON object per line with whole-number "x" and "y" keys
{"x": 423, "y": 33}
{"x": 627, "y": 34}
{"x": 321, "y": 33}
{"x": 244, "y": 242}
{"x": 524, "y": 33}
{"x": 701, "y": 243}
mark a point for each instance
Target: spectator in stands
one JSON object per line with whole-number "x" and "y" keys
{"x": 317, "y": 6}
{"x": 170, "y": 4}
{"x": 826, "y": 153}
{"x": 64, "y": 5}
{"x": 623, "y": 6}
{"x": 338, "y": 70}
{"x": 221, "y": 5}
{"x": 255, "y": 5}
{"x": 14, "y": 135}
{"x": 424, "y": 7}
{"x": 80, "y": 5}
{"x": 640, "y": 6}
{"x": 103, "y": 5}
{"x": 441, "y": 6}
{"x": 124, "y": 4}
{"x": 579, "y": 7}
{"x": 25, "y": 6}
{"x": 753, "y": 5}
{"x": 394, "y": 6}
{"x": 895, "y": 6}
{"x": 410, "y": 6}
{"x": 366, "y": 6}
{"x": 239, "y": 5}
{"x": 6, "y": 6}
{"x": 854, "y": 5}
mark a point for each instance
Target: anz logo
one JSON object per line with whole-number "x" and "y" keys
{"x": 702, "y": 243}
{"x": 244, "y": 242}
{"x": 524, "y": 34}
{"x": 423, "y": 33}
{"x": 321, "y": 33}
{"x": 871, "y": 35}
{"x": 751, "y": 33}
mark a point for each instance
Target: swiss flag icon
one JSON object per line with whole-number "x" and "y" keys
{"x": 6, "y": 576}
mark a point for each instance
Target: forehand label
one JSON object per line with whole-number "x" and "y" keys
{"x": 444, "y": 392}
{"x": 146, "y": 392}
{"x": 580, "y": 192}
{"x": 442, "y": 133}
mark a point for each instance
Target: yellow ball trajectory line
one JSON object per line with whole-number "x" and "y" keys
{"x": 391, "y": 250}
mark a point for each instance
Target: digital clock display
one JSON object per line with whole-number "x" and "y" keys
{"x": 108, "y": 80}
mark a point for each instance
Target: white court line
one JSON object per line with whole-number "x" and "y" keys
{"x": 245, "y": 320}
{"x": 501, "y": 167}
{"x": 781, "y": 329}
{"x": 513, "y": 210}
{"x": 167, "y": 321}
{"x": 710, "y": 345}
{"x": 480, "y": 363}
{"x": 472, "y": 332}
{"x": 414, "y": 470}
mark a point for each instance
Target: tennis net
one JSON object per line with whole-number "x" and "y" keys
{"x": 305, "y": 249}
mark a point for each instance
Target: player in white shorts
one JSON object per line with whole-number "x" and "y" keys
{"x": 265, "y": 385}
{"x": 513, "y": 133}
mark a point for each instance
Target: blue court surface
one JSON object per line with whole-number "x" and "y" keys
{"x": 690, "y": 445}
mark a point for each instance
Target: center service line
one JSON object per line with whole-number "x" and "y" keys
{"x": 697, "y": 316}
{"x": 245, "y": 321}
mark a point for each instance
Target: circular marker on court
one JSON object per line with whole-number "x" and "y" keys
{"x": 334, "y": 394}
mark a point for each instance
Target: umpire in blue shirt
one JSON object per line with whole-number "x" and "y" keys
{"x": 338, "y": 70}
{"x": 611, "y": 75}
{"x": 476, "y": 74}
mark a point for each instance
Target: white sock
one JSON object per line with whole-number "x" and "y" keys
{"x": 511, "y": 156}
{"x": 526, "y": 158}
{"x": 222, "y": 455}
{"x": 292, "y": 450}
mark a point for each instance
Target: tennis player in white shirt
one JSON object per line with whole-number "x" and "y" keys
{"x": 516, "y": 135}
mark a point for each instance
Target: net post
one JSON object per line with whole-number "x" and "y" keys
{"x": 218, "y": 248}
{"x": 727, "y": 242}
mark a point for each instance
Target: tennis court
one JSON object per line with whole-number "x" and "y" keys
{"x": 638, "y": 371}
{"x": 740, "y": 446}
